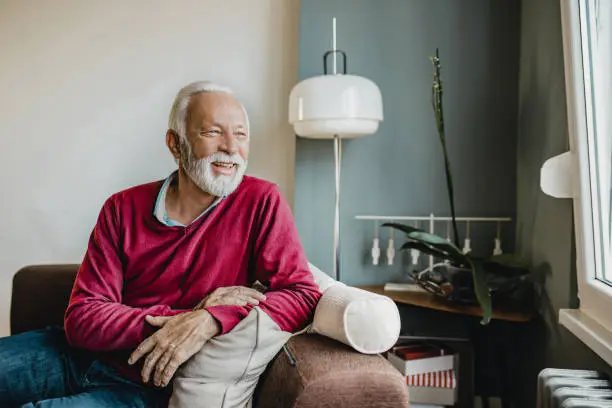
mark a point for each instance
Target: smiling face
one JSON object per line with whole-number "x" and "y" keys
{"x": 215, "y": 152}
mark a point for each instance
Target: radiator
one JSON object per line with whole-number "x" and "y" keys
{"x": 560, "y": 388}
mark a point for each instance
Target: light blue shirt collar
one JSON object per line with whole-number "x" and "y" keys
{"x": 160, "y": 205}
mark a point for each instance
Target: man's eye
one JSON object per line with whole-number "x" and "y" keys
{"x": 212, "y": 132}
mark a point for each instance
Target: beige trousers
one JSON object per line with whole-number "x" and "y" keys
{"x": 225, "y": 372}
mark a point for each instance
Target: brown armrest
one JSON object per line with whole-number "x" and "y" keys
{"x": 40, "y": 296}
{"x": 329, "y": 374}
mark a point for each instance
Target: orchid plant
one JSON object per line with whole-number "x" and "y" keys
{"x": 435, "y": 245}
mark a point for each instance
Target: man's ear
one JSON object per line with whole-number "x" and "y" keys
{"x": 173, "y": 143}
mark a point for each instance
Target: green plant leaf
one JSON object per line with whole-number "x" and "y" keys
{"x": 426, "y": 249}
{"x": 457, "y": 259}
{"x": 402, "y": 227}
{"x": 431, "y": 239}
{"x": 481, "y": 289}
{"x": 417, "y": 233}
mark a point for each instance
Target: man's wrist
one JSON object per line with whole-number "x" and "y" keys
{"x": 210, "y": 325}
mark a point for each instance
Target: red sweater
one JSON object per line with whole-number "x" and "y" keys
{"x": 136, "y": 266}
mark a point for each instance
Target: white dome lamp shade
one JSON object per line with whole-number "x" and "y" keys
{"x": 327, "y": 105}
{"x": 335, "y": 106}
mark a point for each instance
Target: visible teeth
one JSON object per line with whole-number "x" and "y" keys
{"x": 224, "y": 164}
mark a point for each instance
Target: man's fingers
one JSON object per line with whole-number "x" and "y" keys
{"x": 160, "y": 367}
{"x": 144, "y": 348}
{"x": 238, "y": 300}
{"x": 244, "y": 300}
{"x": 169, "y": 371}
{"x": 150, "y": 363}
{"x": 232, "y": 295}
{"x": 250, "y": 292}
{"x": 166, "y": 369}
{"x": 252, "y": 301}
{"x": 157, "y": 321}
{"x": 180, "y": 355}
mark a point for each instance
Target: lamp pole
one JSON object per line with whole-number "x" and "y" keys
{"x": 337, "y": 164}
{"x": 337, "y": 160}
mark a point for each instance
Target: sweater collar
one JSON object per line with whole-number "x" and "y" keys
{"x": 159, "y": 211}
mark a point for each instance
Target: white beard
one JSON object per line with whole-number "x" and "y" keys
{"x": 201, "y": 172}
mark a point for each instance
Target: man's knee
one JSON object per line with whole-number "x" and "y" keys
{"x": 33, "y": 366}
{"x": 250, "y": 345}
{"x": 229, "y": 366}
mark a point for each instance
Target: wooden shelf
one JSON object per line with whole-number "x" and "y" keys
{"x": 430, "y": 301}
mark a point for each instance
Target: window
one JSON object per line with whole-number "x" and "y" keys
{"x": 595, "y": 37}
{"x": 587, "y": 43}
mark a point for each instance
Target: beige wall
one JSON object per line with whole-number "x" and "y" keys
{"x": 85, "y": 90}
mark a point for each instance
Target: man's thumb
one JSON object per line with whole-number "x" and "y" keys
{"x": 157, "y": 321}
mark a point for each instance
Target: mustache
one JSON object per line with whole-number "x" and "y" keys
{"x": 224, "y": 157}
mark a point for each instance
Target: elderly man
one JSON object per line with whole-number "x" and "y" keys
{"x": 169, "y": 269}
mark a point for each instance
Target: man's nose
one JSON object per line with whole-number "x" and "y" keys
{"x": 230, "y": 145}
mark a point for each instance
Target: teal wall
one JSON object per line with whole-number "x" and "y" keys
{"x": 399, "y": 170}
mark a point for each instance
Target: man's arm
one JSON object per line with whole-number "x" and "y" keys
{"x": 95, "y": 318}
{"x": 280, "y": 261}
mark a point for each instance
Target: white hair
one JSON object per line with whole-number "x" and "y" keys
{"x": 178, "y": 114}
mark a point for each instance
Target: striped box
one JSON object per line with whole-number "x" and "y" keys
{"x": 439, "y": 379}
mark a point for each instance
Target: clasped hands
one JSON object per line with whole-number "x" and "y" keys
{"x": 183, "y": 335}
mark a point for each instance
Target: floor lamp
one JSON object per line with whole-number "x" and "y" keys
{"x": 335, "y": 106}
